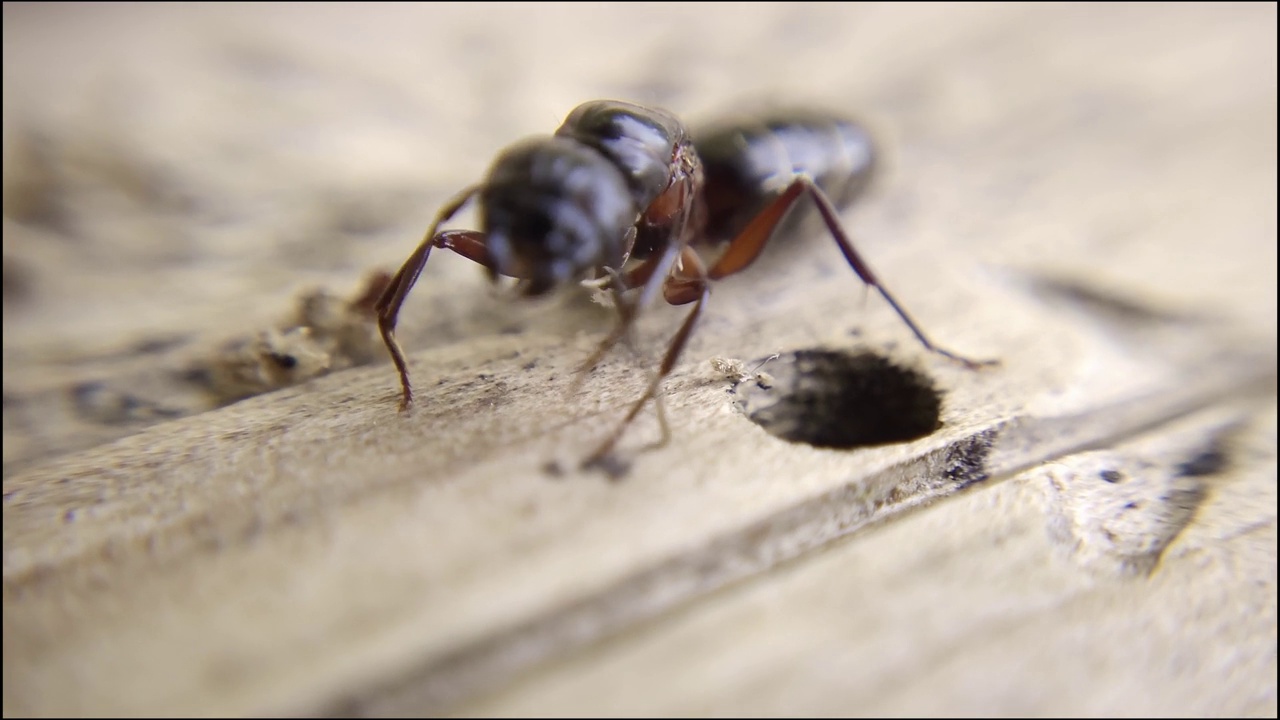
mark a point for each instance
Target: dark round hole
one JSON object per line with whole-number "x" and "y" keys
{"x": 836, "y": 399}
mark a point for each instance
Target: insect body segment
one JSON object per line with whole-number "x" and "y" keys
{"x": 639, "y": 142}
{"x": 749, "y": 162}
{"x": 553, "y": 210}
{"x": 622, "y": 193}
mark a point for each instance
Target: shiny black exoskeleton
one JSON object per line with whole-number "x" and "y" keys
{"x": 621, "y": 194}
{"x": 749, "y": 161}
{"x": 559, "y": 208}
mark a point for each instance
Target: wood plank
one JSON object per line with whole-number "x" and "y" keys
{"x": 312, "y": 551}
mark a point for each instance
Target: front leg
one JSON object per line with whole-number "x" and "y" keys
{"x": 470, "y": 244}
{"x": 388, "y": 306}
{"x": 649, "y": 276}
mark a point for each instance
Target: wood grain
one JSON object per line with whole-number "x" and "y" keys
{"x": 1087, "y": 193}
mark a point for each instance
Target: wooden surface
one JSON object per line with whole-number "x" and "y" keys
{"x": 1087, "y": 193}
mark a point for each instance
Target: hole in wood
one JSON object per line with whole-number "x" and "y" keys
{"x": 835, "y": 399}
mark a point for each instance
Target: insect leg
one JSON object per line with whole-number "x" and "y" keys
{"x": 746, "y": 247}
{"x": 650, "y": 275}
{"x": 688, "y": 284}
{"x": 388, "y": 306}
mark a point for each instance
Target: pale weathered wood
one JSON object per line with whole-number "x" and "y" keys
{"x": 1087, "y": 193}
{"x": 937, "y": 614}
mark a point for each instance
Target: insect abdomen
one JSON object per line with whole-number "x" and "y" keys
{"x": 747, "y": 163}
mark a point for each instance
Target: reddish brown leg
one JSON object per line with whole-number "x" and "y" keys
{"x": 465, "y": 243}
{"x": 470, "y": 244}
{"x": 688, "y": 284}
{"x": 744, "y": 249}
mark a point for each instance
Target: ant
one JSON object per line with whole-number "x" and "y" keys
{"x": 620, "y": 196}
